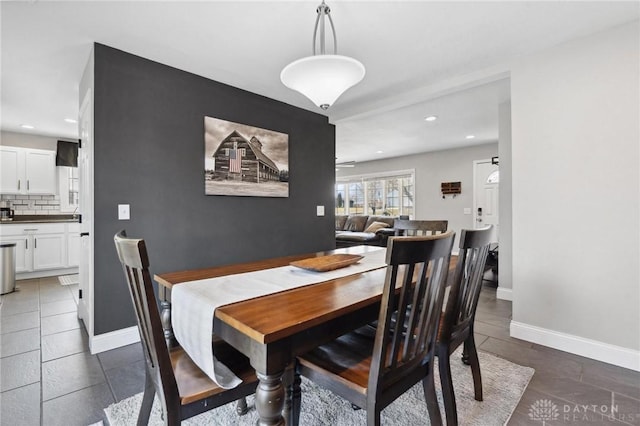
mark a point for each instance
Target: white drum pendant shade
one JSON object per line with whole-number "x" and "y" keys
{"x": 322, "y": 78}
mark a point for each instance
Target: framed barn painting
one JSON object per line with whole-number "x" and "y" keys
{"x": 243, "y": 160}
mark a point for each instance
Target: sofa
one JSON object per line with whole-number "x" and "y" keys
{"x": 353, "y": 230}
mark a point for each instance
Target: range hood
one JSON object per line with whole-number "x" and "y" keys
{"x": 67, "y": 154}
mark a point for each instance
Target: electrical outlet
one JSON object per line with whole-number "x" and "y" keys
{"x": 123, "y": 212}
{"x": 320, "y": 210}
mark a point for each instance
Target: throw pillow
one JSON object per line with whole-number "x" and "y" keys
{"x": 376, "y": 226}
{"x": 355, "y": 223}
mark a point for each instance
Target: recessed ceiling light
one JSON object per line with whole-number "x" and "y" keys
{"x": 470, "y": 136}
{"x": 379, "y": 152}
{"x": 27, "y": 126}
{"x": 70, "y": 120}
{"x": 431, "y": 118}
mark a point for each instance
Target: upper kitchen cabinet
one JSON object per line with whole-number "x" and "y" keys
{"x": 11, "y": 167}
{"x": 41, "y": 171}
{"x": 27, "y": 171}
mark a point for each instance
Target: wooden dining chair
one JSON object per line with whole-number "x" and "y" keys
{"x": 183, "y": 389}
{"x": 372, "y": 367}
{"x": 456, "y": 326}
{"x": 420, "y": 227}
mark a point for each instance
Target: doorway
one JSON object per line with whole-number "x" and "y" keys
{"x": 486, "y": 185}
{"x": 85, "y": 169}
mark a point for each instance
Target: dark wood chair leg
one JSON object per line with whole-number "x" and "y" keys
{"x": 430, "y": 397}
{"x": 470, "y": 344}
{"x": 465, "y": 354}
{"x": 241, "y": 407}
{"x": 293, "y": 397}
{"x": 147, "y": 400}
{"x": 296, "y": 399}
{"x": 448, "y": 395}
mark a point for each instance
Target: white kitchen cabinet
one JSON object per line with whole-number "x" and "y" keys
{"x": 74, "y": 245}
{"x": 27, "y": 171}
{"x": 43, "y": 248}
{"x": 23, "y": 255}
{"x": 12, "y": 166}
{"x": 49, "y": 251}
{"x": 41, "y": 171}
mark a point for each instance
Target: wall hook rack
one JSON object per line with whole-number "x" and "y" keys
{"x": 450, "y": 188}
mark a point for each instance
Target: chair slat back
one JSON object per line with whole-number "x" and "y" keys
{"x": 467, "y": 280}
{"x": 420, "y": 227}
{"x": 413, "y": 295}
{"x": 135, "y": 263}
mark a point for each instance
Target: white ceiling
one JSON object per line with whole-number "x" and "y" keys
{"x": 422, "y": 58}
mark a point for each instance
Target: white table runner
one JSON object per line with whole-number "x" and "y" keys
{"x": 194, "y": 304}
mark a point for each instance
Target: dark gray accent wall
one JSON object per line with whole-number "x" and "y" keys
{"x": 149, "y": 148}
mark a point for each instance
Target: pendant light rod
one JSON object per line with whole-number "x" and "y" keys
{"x": 323, "y": 77}
{"x": 324, "y": 10}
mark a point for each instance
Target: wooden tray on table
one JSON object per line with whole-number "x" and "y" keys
{"x": 327, "y": 263}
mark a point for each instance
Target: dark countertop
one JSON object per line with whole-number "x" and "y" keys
{"x": 39, "y": 218}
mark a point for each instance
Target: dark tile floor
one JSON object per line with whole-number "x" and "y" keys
{"x": 48, "y": 377}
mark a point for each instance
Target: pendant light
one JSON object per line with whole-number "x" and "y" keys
{"x": 322, "y": 77}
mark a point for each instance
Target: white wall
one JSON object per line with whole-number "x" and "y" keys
{"x": 26, "y": 140}
{"x": 505, "y": 271}
{"x": 431, "y": 169}
{"x": 576, "y": 196}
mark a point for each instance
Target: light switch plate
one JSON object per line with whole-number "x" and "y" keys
{"x": 320, "y": 210}
{"x": 123, "y": 212}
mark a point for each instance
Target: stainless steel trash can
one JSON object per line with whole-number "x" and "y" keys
{"x": 7, "y": 267}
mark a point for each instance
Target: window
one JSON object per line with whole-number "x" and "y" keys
{"x": 69, "y": 188}
{"x": 390, "y": 194}
{"x": 494, "y": 177}
{"x": 375, "y": 195}
{"x": 355, "y": 191}
{"x": 341, "y": 207}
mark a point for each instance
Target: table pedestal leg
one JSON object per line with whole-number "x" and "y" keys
{"x": 165, "y": 319}
{"x": 270, "y": 399}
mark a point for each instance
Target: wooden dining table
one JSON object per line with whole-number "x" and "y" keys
{"x": 272, "y": 330}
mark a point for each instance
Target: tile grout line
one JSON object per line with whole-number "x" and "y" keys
{"x": 106, "y": 378}
{"x": 41, "y": 363}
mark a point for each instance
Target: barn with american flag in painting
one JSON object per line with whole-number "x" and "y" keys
{"x": 240, "y": 159}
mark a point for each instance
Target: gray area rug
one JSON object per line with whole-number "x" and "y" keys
{"x": 503, "y": 384}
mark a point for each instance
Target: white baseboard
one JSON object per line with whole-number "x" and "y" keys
{"x": 504, "y": 293}
{"x": 605, "y": 352}
{"x": 47, "y": 273}
{"x": 115, "y": 339}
